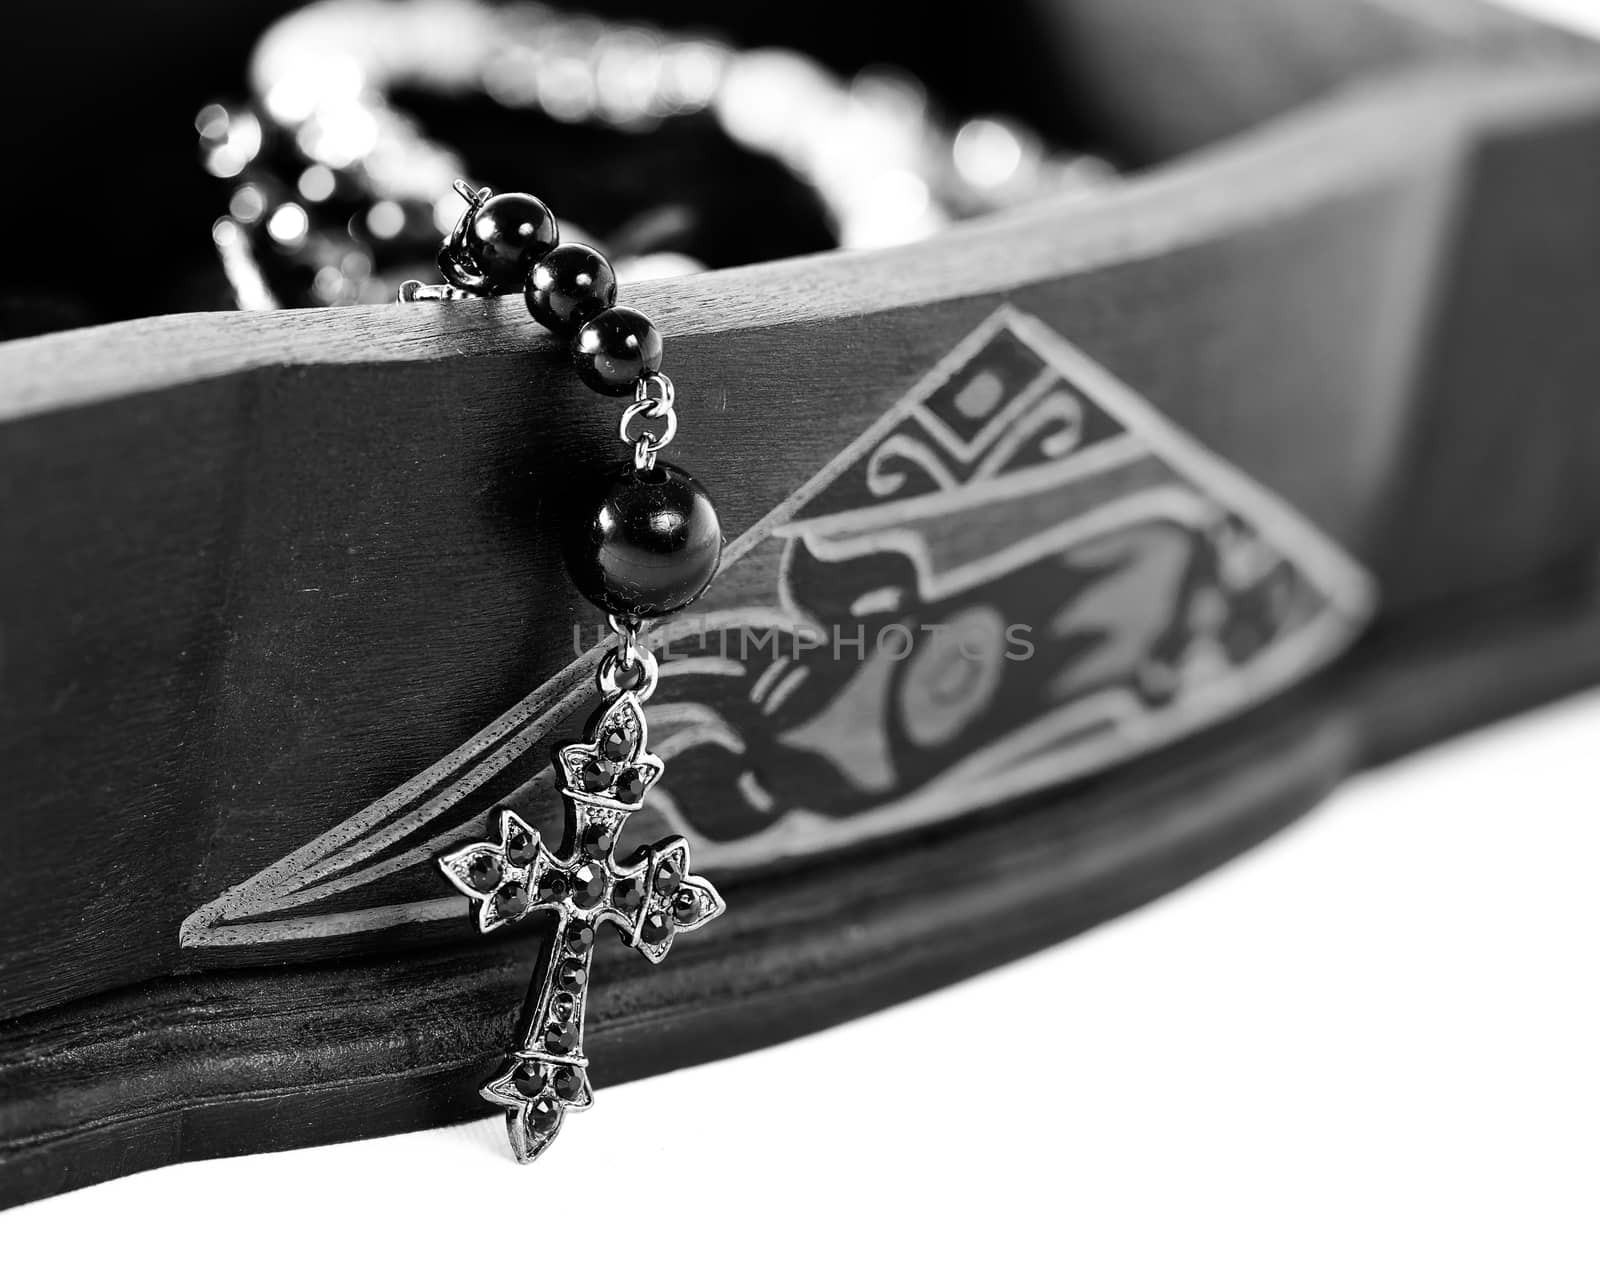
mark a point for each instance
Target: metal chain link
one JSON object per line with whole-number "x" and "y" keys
{"x": 653, "y": 400}
{"x": 629, "y": 656}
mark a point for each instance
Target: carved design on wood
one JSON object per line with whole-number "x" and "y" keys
{"x": 1021, "y": 573}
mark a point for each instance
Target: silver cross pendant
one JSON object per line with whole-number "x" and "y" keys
{"x": 646, "y": 891}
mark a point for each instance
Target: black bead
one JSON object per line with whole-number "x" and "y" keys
{"x": 649, "y": 543}
{"x": 616, "y": 349}
{"x": 519, "y": 847}
{"x": 571, "y": 285}
{"x": 483, "y": 873}
{"x": 552, "y": 887}
{"x": 580, "y": 937}
{"x": 596, "y": 840}
{"x": 669, "y": 876}
{"x": 657, "y": 928}
{"x": 568, "y": 1083}
{"x": 528, "y": 1080}
{"x": 561, "y": 1038}
{"x": 563, "y": 1005}
{"x": 627, "y": 894}
{"x": 588, "y": 886}
{"x": 573, "y": 975}
{"x": 597, "y": 774}
{"x": 544, "y": 1112}
{"x": 507, "y": 236}
{"x": 511, "y": 902}
{"x": 614, "y": 745}
{"x": 630, "y": 787}
{"x": 686, "y": 907}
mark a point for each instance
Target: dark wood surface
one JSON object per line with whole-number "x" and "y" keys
{"x": 253, "y": 538}
{"x": 225, "y": 1063}
{"x": 263, "y": 569}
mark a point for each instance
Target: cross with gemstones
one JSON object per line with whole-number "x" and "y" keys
{"x": 648, "y": 893}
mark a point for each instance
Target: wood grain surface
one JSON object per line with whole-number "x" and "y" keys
{"x": 225, "y": 1063}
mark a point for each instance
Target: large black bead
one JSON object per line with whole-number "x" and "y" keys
{"x": 651, "y": 544}
{"x": 507, "y": 236}
{"x": 614, "y": 350}
{"x": 571, "y": 285}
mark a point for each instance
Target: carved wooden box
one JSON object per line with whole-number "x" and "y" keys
{"x": 1067, "y": 555}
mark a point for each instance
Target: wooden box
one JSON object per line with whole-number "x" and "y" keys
{"x": 1281, "y": 454}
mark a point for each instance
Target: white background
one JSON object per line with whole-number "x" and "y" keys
{"x": 1369, "y": 1046}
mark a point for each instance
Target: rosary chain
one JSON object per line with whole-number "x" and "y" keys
{"x": 322, "y": 129}
{"x": 653, "y": 400}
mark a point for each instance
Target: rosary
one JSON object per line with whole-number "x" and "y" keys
{"x": 335, "y": 187}
{"x": 337, "y": 191}
{"x": 649, "y": 546}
